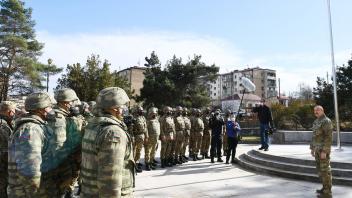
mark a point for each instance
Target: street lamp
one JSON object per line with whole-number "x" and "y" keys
{"x": 338, "y": 139}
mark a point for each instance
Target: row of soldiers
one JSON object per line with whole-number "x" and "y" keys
{"x": 176, "y": 128}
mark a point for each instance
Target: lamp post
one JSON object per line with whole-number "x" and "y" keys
{"x": 338, "y": 139}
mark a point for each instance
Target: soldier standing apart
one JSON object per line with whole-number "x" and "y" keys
{"x": 206, "y": 134}
{"x": 29, "y": 155}
{"x": 216, "y": 124}
{"x": 321, "y": 149}
{"x": 187, "y": 133}
{"x": 153, "y": 125}
{"x": 7, "y": 113}
{"x": 197, "y": 134}
{"x": 107, "y": 155}
{"x": 140, "y": 133}
{"x": 266, "y": 122}
{"x": 180, "y": 130}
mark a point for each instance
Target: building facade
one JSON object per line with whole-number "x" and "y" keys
{"x": 134, "y": 76}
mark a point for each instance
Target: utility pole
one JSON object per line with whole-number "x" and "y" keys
{"x": 47, "y": 74}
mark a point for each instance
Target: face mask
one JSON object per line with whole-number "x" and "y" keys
{"x": 153, "y": 116}
{"x": 50, "y": 115}
{"x": 74, "y": 111}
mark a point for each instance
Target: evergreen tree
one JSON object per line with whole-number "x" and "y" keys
{"x": 19, "y": 49}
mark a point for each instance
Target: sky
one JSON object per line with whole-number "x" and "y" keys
{"x": 290, "y": 36}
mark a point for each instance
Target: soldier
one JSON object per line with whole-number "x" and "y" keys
{"x": 140, "y": 135}
{"x": 321, "y": 149}
{"x": 85, "y": 111}
{"x": 206, "y": 134}
{"x": 197, "y": 134}
{"x": 107, "y": 155}
{"x": 7, "y": 113}
{"x": 186, "y": 134}
{"x": 180, "y": 130}
{"x": 30, "y": 155}
{"x": 167, "y": 134}
{"x": 153, "y": 125}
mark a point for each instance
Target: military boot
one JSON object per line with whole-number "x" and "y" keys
{"x": 194, "y": 158}
{"x": 207, "y": 156}
{"x": 138, "y": 169}
{"x": 198, "y": 158}
{"x": 212, "y": 160}
{"x": 162, "y": 163}
{"x": 147, "y": 167}
{"x": 227, "y": 159}
{"x": 155, "y": 162}
{"x": 180, "y": 158}
{"x": 185, "y": 157}
{"x": 152, "y": 166}
{"x": 203, "y": 156}
{"x": 220, "y": 160}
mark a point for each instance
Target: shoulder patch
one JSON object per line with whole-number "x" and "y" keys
{"x": 25, "y": 135}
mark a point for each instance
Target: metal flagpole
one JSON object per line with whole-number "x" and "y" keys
{"x": 338, "y": 140}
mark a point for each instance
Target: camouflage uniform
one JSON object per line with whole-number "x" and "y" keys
{"x": 321, "y": 141}
{"x": 68, "y": 133}
{"x": 31, "y": 157}
{"x": 6, "y": 127}
{"x": 107, "y": 168}
{"x": 180, "y": 130}
{"x": 153, "y": 125}
{"x": 140, "y": 133}
{"x": 207, "y": 134}
{"x": 187, "y": 132}
{"x": 167, "y": 134}
{"x": 197, "y": 134}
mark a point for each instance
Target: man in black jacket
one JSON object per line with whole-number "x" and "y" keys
{"x": 266, "y": 123}
{"x": 216, "y": 123}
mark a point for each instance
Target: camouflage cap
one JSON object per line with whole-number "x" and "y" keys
{"x": 66, "y": 95}
{"x": 38, "y": 101}
{"x": 153, "y": 110}
{"x": 112, "y": 97}
{"x": 7, "y": 105}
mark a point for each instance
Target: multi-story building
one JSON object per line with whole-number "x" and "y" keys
{"x": 134, "y": 76}
{"x": 230, "y": 84}
{"x": 214, "y": 90}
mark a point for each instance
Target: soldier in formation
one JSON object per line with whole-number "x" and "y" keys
{"x": 140, "y": 135}
{"x": 153, "y": 126}
{"x": 7, "y": 113}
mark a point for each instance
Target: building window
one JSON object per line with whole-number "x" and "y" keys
{"x": 214, "y": 94}
{"x": 262, "y": 88}
{"x": 214, "y": 88}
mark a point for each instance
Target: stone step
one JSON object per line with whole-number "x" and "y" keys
{"x": 246, "y": 164}
{"x": 338, "y": 165}
{"x": 252, "y": 157}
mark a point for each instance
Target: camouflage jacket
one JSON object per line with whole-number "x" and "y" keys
{"x": 140, "y": 126}
{"x": 5, "y": 133}
{"x": 167, "y": 126}
{"x": 322, "y": 135}
{"x": 153, "y": 127}
{"x": 179, "y": 123}
{"x": 188, "y": 125}
{"x": 29, "y": 156}
{"x": 107, "y": 168}
{"x": 206, "y": 119}
{"x": 197, "y": 125}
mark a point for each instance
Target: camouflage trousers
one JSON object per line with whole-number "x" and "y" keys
{"x": 179, "y": 143}
{"x": 138, "y": 145}
{"x": 206, "y": 142}
{"x": 185, "y": 142}
{"x": 196, "y": 142}
{"x": 324, "y": 171}
{"x": 3, "y": 174}
{"x": 150, "y": 149}
{"x": 166, "y": 147}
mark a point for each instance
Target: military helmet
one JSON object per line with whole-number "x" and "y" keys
{"x": 139, "y": 108}
{"x": 92, "y": 104}
{"x": 153, "y": 110}
{"x": 167, "y": 109}
{"x": 7, "y": 105}
{"x": 66, "y": 95}
{"x": 112, "y": 97}
{"x": 38, "y": 101}
{"x": 185, "y": 109}
{"x": 178, "y": 109}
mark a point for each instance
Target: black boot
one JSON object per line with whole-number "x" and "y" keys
{"x": 220, "y": 160}
{"x": 186, "y": 158}
{"x": 169, "y": 162}
{"x": 180, "y": 158}
{"x": 174, "y": 161}
{"x": 203, "y": 156}
{"x": 79, "y": 189}
{"x": 138, "y": 169}
{"x": 155, "y": 162}
{"x": 147, "y": 167}
{"x": 162, "y": 163}
{"x": 194, "y": 158}
{"x": 227, "y": 159}
{"x": 212, "y": 160}
{"x": 177, "y": 160}
{"x": 198, "y": 158}
{"x": 207, "y": 156}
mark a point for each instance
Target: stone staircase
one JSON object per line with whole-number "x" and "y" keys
{"x": 293, "y": 168}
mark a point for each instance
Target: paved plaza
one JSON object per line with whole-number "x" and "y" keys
{"x": 203, "y": 179}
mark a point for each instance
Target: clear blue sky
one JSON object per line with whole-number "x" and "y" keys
{"x": 288, "y": 35}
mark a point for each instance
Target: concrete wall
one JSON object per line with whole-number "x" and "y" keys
{"x": 290, "y": 137}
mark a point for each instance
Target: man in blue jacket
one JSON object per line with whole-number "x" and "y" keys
{"x": 232, "y": 132}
